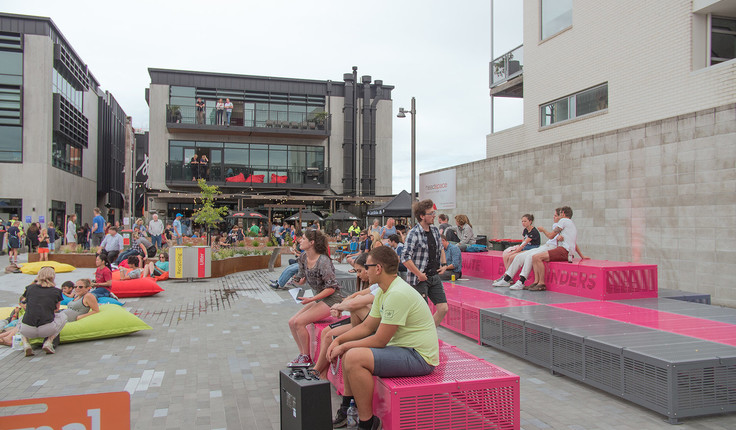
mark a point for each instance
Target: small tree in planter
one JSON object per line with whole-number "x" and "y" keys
{"x": 208, "y": 214}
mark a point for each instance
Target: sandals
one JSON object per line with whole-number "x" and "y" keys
{"x": 538, "y": 287}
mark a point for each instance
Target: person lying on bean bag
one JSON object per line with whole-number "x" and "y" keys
{"x": 84, "y": 303}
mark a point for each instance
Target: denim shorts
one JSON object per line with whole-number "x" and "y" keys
{"x": 530, "y": 246}
{"x": 393, "y": 361}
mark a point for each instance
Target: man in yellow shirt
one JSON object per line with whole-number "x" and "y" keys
{"x": 405, "y": 342}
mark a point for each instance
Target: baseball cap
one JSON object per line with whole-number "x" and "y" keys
{"x": 179, "y": 215}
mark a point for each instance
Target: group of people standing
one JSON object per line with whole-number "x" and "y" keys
{"x": 200, "y": 167}
{"x": 223, "y": 112}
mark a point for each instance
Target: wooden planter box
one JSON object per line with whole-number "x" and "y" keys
{"x": 76, "y": 260}
{"x": 232, "y": 265}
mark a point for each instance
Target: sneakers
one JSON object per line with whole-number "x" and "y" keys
{"x": 501, "y": 283}
{"x": 274, "y": 284}
{"x": 48, "y": 347}
{"x": 341, "y": 418}
{"x": 114, "y": 266}
{"x": 376, "y": 423}
{"x": 27, "y": 348}
{"x": 518, "y": 285}
{"x": 301, "y": 359}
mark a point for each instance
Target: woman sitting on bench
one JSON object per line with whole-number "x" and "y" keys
{"x": 315, "y": 269}
{"x": 358, "y": 304}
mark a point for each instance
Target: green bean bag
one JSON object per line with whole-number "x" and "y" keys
{"x": 111, "y": 321}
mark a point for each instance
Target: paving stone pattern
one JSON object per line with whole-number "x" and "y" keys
{"x": 213, "y": 357}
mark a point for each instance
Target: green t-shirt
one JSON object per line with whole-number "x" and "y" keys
{"x": 255, "y": 229}
{"x": 403, "y": 306}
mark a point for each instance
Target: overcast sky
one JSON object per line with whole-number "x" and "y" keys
{"x": 431, "y": 50}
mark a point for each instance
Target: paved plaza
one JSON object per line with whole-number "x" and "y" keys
{"x": 213, "y": 357}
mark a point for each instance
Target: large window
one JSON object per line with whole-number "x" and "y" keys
{"x": 63, "y": 87}
{"x": 722, "y": 39}
{"x": 67, "y": 157}
{"x": 229, "y": 159}
{"x": 556, "y": 16}
{"x": 11, "y": 80}
{"x": 574, "y": 106}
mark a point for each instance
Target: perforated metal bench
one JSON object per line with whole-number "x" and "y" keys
{"x": 463, "y": 392}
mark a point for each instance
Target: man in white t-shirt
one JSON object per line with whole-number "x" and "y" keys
{"x": 567, "y": 237}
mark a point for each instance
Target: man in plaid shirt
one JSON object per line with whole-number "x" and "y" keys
{"x": 422, "y": 255}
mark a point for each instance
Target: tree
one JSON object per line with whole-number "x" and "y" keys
{"x": 208, "y": 214}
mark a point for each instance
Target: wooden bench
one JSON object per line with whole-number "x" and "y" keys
{"x": 463, "y": 392}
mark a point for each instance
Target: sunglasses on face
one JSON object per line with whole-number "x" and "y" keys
{"x": 370, "y": 265}
{"x": 79, "y": 286}
{"x": 23, "y": 302}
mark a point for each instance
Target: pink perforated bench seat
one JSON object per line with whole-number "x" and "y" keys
{"x": 463, "y": 392}
{"x": 315, "y": 334}
{"x": 595, "y": 279}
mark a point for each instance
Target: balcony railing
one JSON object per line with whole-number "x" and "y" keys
{"x": 247, "y": 118}
{"x": 507, "y": 66}
{"x": 239, "y": 176}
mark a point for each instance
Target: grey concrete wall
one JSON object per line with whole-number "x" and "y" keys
{"x": 663, "y": 192}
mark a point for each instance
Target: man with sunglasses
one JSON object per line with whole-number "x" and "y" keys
{"x": 422, "y": 255}
{"x": 397, "y": 338}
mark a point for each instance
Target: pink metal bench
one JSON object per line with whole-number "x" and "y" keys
{"x": 463, "y": 392}
{"x": 595, "y": 279}
{"x": 315, "y": 335}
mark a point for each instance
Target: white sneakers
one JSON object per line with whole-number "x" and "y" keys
{"x": 500, "y": 283}
{"x": 517, "y": 286}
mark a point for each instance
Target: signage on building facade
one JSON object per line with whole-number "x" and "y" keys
{"x": 440, "y": 187}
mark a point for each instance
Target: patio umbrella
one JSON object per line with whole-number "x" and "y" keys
{"x": 246, "y": 214}
{"x": 306, "y": 216}
{"x": 342, "y": 215}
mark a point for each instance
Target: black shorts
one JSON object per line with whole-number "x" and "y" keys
{"x": 432, "y": 288}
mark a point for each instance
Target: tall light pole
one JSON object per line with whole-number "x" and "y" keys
{"x": 402, "y": 114}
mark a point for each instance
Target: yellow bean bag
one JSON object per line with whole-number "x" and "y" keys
{"x": 33, "y": 268}
{"x": 5, "y": 312}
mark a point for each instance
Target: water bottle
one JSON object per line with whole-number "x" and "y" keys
{"x": 17, "y": 342}
{"x": 352, "y": 416}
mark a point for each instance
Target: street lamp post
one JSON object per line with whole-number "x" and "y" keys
{"x": 402, "y": 114}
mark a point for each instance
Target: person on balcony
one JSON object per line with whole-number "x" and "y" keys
{"x": 219, "y": 110}
{"x": 228, "y": 110}
{"x": 204, "y": 167}
{"x": 200, "y": 111}
{"x": 194, "y": 166}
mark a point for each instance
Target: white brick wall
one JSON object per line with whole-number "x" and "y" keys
{"x": 643, "y": 49}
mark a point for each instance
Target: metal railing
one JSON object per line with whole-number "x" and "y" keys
{"x": 247, "y": 118}
{"x": 507, "y": 66}
{"x": 230, "y": 174}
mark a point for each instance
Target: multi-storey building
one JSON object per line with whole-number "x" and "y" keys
{"x": 289, "y": 142}
{"x": 630, "y": 119}
{"x": 61, "y": 137}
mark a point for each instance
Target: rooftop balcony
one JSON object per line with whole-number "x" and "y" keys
{"x": 186, "y": 119}
{"x": 235, "y": 177}
{"x": 507, "y": 74}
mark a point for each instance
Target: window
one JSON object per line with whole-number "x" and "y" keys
{"x": 11, "y": 144}
{"x": 11, "y": 79}
{"x": 67, "y": 157}
{"x": 556, "y": 16}
{"x": 722, "y": 39}
{"x": 574, "y": 106}
{"x": 63, "y": 87}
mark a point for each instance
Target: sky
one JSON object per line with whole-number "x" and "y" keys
{"x": 435, "y": 51}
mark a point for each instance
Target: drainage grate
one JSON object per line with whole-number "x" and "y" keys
{"x": 252, "y": 284}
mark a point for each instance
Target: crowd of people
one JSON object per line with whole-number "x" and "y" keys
{"x": 390, "y": 330}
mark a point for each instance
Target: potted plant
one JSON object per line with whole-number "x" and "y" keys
{"x": 320, "y": 118}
